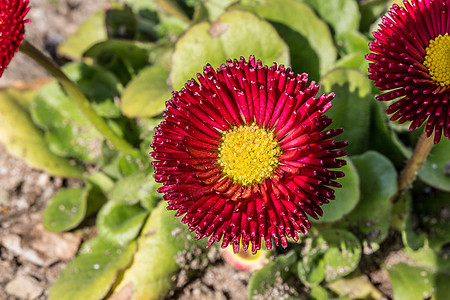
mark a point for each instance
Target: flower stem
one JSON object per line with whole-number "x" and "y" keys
{"x": 78, "y": 97}
{"x": 415, "y": 163}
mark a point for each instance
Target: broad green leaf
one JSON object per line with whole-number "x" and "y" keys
{"x": 358, "y": 287}
{"x": 147, "y": 93}
{"x": 370, "y": 11}
{"x": 124, "y": 58}
{"x": 67, "y": 131}
{"x": 308, "y": 37}
{"x": 24, "y": 140}
{"x": 418, "y": 283}
{"x": 92, "y": 273}
{"x": 337, "y": 252}
{"x": 154, "y": 265}
{"x": 137, "y": 187}
{"x": 342, "y": 15}
{"x": 119, "y": 222}
{"x": 433, "y": 212}
{"x": 92, "y": 31}
{"x": 266, "y": 278}
{"x": 353, "y": 41}
{"x": 354, "y": 60}
{"x": 403, "y": 212}
{"x": 436, "y": 170}
{"x": 346, "y": 197}
{"x": 378, "y": 183}
{"x": 216, "y": 7}
{"x": 68, "y": 208}
{"x": 142, "y": 5}
{"x": 351, "y": 106}
{"x": 120, "y": 22}
{"x": 99, "y": 86}
{"x": 382, "y": 138}
{"x": 235, "y": 34}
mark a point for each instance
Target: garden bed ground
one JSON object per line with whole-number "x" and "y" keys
{"x": 31, "y": 258}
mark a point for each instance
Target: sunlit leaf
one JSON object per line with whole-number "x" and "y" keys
{"x": 351, "y": 106}
{"x": 119, "y": 222}
{"x": 378, "y": 183}
{"x": 68, "y": 208}
{"x": 147, "y": 93}
{"x": 93, "y": 272}
{"x": 24, "y": 140}
{"x": 266, "y": 278}
{"x": 308, "y": 36}
{"x": 92, "y": 31}
{"x": 150, "y": 274}
{"x": 346, "y": 197}
{"x": 235, "y": 34}
{"x": 342, "y": 15}
{"x": 335, "y": 252}
{"x": 436, "y": 170}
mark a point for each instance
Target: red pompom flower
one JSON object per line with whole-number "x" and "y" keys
{"x": 244, "y": 155}
{"x": 411, "y": 61}
{"x": 12, "y": 29}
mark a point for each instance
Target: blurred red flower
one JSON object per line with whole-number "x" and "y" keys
{"x": 12, "y": 29}
{"x": 411, "y": 61}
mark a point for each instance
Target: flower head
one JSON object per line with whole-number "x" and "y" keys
{"x": 245, "y": 154}
{"x": 411, "y": 61}
{"x": 12, "y": 29}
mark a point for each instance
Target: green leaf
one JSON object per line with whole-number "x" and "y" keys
{"x": 139, "y": 186}
{"x": 358, "y": 287}
{"x": 92, "y": 31}
{"x": 346, "y": 197}
{"x": 265, "y": 278}
{"x": 93, "y": 272}
{"x": 433, "y": 212}
{"x": 122, "y": 57}
{"x": 410, "y": 237}
{"x": 154, "y": 265}
{"x": 235, "y": 34}
{"x": 378, "y": 182}
{"x": 68, "y": 208}
{"x": 308, "y": 36}
{"x": 354, "y": 60}
{"x": 353, "y": 41}
{"x": 216, "y": 7}
{"x": 342, "y": 15}
{"x": 382, "y": 138}
{"x": 147, "y": 93}
{"x": 418, "y": 283}
{"x": 120, "y": 223}
{"x": 436, "y": 170}
{"x": 351, "y": 106}
{"x": 370, "y": 12}
{"x": 24, "y": 140}
{"x": 67, "y": 131}
{"x": 335, "y": 252}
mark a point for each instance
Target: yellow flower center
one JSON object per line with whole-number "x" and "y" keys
{"x": 437, "y": 59}
{"x": 248, "y": 154}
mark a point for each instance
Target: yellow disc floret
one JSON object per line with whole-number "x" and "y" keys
{"x": 437, "y": 59}
{"x": 248, "y": 154}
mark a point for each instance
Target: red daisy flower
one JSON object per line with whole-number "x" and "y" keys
{"x": 12, "y": 21}
{"x": 411, "y": 60}
{"x": 245, "y": 156}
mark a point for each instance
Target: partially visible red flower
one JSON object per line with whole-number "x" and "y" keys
{"x": 411, "y": 61}
{"x": 12, "y": 29}
{"x": 245, "y": 154}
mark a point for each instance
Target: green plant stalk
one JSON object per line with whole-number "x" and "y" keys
{"x": 78, "y": 97}
{"x": 413, "y": 166}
